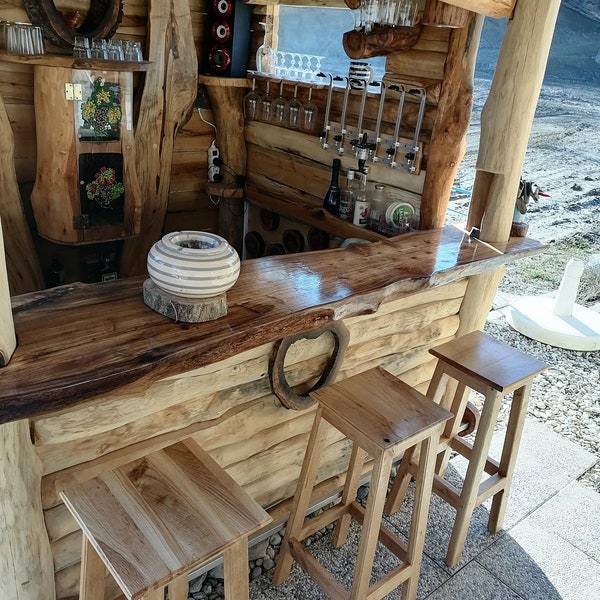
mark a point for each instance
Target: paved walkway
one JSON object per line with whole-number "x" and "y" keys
{"x": 549, "y": 548}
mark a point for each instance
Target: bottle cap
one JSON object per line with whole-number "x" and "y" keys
{"x": 350, "y": 174}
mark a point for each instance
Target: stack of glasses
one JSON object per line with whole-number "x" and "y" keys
{"x": 112, "y": 49}
{"x": 385, "y": 12}
{"x": 21, "y": 38}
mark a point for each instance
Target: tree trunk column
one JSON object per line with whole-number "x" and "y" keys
{"x": 8, "y": 339}
{"x": 226, "y": 98}
{"x": 507, "y": 116}
{"x": 26, "y": 565}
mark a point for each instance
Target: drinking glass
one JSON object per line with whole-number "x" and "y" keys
{"x": 37, "y": 38}
{"x": 309, "y": 114}
{"x": 251, "y": 100}
{"x": 264, "y": 105}
{"x": 294, "y": 110}
{"x": 133, "y": 51}
{"x": 280, "y": 109}
{"x": 266, "y": 58}
{"x": 115, "y": 49}
{"x": 99, "y": 49}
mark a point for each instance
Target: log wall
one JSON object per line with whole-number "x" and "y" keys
{"x": 236, "y": 417}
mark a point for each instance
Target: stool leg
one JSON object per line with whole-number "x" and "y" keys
{"x": 235, "y": 570}
{"x": 308, "y": 474}
{"x": 470, "y": 489}
{"x": 401, "y": 481}
{"x": 371, "y": 526}
{"x": 357, "y": 459}
{"x": 510, "y": 449}
{"x": 418, "y": 524}
{"x": 93, "y": 573}
{"x": 178, "y": 588}
{"x": 457, "y": 409}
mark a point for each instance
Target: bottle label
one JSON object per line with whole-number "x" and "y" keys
{"x": 361, "y": 213}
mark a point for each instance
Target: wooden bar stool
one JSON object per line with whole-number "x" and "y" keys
{"x": 153, "y": 520}
{"x": 383, "y": 417}
{"x": 479, "y": 362}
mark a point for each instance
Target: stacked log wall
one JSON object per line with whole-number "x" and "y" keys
{"x": 236, "y": 417}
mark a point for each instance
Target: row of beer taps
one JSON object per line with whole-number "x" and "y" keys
{"x": 372, "y": 145}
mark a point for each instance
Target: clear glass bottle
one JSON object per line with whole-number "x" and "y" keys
{"x": 331, "y": 202}
{"x": 361, "y": 202}
{"x": 377, "y": 209}
{"x": 348, "y": 196}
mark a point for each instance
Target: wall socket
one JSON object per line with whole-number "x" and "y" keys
{"x": 214, "y": 163}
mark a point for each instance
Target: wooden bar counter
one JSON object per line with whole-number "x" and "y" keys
{"x": 98, "y": 378}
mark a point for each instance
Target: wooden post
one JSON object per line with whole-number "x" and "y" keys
{"x": 448, "y": 137}
{"x": 507, "y": 116}
{"x": 168, "y": 98}
{"x": 8, "y": 339}
{"x": 26, "y": 565}
{"x": 226, "y": 98}
{"x": 441, "y": 14}
{"x": 22, "y": 265}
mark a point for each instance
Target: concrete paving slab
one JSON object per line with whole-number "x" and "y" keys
{"x": 560, "y": 542}
{"x": 546, "y": 463}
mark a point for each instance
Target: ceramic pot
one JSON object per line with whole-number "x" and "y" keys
{"x": 193, "y": 264}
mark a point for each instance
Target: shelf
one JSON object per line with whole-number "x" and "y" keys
{"x": 66, "y": 61}
{"x": 381, "y": 40}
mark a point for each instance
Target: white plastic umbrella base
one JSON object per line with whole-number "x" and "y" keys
{"x": 534, "y": 317}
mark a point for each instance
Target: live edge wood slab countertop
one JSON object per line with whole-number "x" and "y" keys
{"x": 78, "y": 341}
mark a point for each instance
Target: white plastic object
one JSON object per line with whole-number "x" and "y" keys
{"x": 214, "y": 161}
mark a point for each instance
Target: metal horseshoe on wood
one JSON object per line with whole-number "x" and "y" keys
{"x": 282, "y": 389}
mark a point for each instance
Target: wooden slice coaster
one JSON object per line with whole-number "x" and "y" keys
{"x": 187, "y": 310}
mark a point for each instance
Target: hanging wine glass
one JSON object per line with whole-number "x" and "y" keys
{"x": 264, "y": 105}
{"x": 251, "y": 100}
{"x": 294, "y": 110}
{"x": 309, "y": 114}
{"x": 279, "y": 108}
{"x": 266, "y": 58}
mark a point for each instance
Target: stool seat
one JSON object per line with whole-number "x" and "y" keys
{"x": 383, "y": 417}
{"x": 155, "y": 519}
{"x": 478, "y": 362}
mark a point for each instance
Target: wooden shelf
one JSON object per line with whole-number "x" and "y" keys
{"x": 381, "y": 40}
{"x": 67, "y": 61}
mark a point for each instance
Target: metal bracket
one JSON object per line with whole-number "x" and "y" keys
{"x": 73, "y": 91}
{"x": 81, "y": 221}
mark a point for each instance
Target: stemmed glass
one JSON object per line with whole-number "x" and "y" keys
{"x": 266, "y": 58}
{"x": 280, "y": 108}
{"x": 294, "y": 110}
{"x": 310, "y": 112}
{"x": 251, "y": 100}
{"x": 264, "y": 105}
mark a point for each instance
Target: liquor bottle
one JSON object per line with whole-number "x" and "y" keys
{"x": 332, "y": 197}
{"x": 361, "y": 203}
{"x": 348, "y": 196}
{"x": 377, "y": 209}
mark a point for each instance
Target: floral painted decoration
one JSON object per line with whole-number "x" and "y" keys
{"x": 105, "y": 189}
{"x": 102, "y": 110}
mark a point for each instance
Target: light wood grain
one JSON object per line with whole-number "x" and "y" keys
{"x": 8, "y": 339}
{"x": 489, "y": 8}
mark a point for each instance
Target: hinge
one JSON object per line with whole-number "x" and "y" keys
{"x": 73, "y": 91}
{"x": 81, "y": 221}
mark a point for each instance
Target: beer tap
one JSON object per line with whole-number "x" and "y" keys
{"x": 357, "y": 143}
{"x": 373, "y": 152}
{"x": 326, "y": 126}
{"x": 411, "y": 156}
{"x": 339, "y": 138}
{"x": 391, "y": 151}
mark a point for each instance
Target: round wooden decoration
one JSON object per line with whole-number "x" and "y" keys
{"x": 282, "y": 389}
{"x": 101, "y": 21}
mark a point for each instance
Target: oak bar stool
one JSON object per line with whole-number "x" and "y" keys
{"x": 383, "y": 417}
{"x": 479, "y": 362}
{"x": 155, "y": 519}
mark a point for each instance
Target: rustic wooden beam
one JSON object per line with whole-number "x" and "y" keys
{"x": 22, "y": 265}
{"x": 441, "y": 14}
{"x": 26, "y": 569}
{"x": 507, "y": 116}
{"x": 489, "y": 8}
{"x": 168, "y": 98}
{"x": 448, "y": 137}
{"x": 8, "y": 339}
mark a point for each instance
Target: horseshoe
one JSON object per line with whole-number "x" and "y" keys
{"x": 282, "y": 389}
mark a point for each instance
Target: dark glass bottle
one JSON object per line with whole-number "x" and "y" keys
{"x": 332, "y": 197}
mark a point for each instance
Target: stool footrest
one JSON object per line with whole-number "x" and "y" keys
{"x": 465, "y": 449}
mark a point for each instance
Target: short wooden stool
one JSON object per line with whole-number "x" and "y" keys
{"x": 479, "y": 362}
{"x": 383, "y": 417}
{"x": 153, "y": 520}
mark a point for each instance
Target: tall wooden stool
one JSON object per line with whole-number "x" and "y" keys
{"x": 479, "y": 362}
{"x": 153, "y": 520}
{"x": 383, "y": 417}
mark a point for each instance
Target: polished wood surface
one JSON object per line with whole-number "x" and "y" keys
{"x": 159, "y": 517}
{"x": 84, "y": 340}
